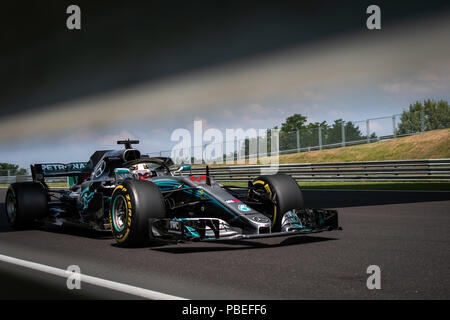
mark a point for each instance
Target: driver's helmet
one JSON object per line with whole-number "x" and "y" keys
{"x": 141, "y": 171}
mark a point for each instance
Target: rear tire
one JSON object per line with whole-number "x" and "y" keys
{"x": 132, "y": 204}
{"x": 25, "y": 202}
{"x": 283, "y": 193}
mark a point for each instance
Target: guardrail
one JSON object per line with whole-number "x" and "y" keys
{"x": 12, "y": 179}
{"x": 397, "y": 170}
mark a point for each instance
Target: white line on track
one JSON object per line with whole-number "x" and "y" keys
{"x": 125, "y": 288}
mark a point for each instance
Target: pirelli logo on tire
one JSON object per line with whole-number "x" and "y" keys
{"x": 120, "y": 213}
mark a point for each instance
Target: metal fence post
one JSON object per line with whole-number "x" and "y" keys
{"x": 368, "y": 131}
{"x": 343, "y": 133}
{"x": 422, "y": 121}
{"x": 394, "y": 125}
{"x": 320, "y": 138}
{"x": 298, "y": 141}
{"x": 257, "y": 148}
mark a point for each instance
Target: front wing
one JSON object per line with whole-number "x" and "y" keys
{"x": 213, "y": 229}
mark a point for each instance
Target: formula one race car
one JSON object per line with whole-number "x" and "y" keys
{"x": 139, "y": 198}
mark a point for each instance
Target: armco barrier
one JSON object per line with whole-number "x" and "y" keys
{"x": 399, "y": 170}
{"x": 391, "y": 170}
{"x": 12, "y": 179}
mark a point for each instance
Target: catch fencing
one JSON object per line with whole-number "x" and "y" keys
{"x": 318, "y": 137}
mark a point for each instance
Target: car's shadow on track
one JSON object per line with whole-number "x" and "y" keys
{"x": 4, "y": 227}
{"x": 239, "y": 245}
{"x": 78, "y": 232}
{"x": 72, "y": 231}
{"x": 69, "y": 230}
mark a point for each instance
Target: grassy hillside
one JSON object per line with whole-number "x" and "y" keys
{"x": 429, "y": 145}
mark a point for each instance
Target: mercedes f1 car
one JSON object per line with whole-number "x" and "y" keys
{"x": 139, "y": 198}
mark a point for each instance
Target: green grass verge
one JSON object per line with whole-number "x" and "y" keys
{"x": 368, "y": 185}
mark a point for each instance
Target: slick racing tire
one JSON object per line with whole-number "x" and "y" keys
{"x": 282, "y": 194}
{"x": 132, "y": 203}
{"x": 25, "y": 202}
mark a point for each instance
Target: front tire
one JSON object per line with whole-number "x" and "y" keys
{"x": 25, "y": 202}
{"x": 132, "y": 204}
{"x": 281, "y": 194}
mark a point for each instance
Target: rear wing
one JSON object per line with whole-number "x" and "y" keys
{"x": 41, "y": 171}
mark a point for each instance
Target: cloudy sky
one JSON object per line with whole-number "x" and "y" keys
{"x": 366, "y": 75}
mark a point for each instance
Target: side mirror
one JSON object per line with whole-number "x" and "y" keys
{"x": 183, "y": 168}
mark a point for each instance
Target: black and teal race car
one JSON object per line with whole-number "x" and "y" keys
{"x": 139, "y": 198}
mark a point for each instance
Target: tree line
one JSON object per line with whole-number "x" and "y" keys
{"x": 11, "y": 170}
{"x": 427, "y": 115}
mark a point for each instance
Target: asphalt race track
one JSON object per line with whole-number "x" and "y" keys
{"x": 407, "y": 234}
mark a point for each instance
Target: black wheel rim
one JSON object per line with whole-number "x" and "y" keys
{"x": 119, "y": 213}
{"x": 10, "y": 206}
